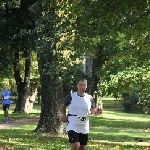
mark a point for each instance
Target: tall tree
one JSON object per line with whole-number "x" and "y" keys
{"x": 50, "y": 73}
{"x": 56, "y": 57}
{"x": 18, "y": 44}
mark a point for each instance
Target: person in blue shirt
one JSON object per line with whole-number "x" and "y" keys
{"x": 6, "y": 100}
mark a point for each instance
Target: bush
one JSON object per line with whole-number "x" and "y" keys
{"x": 131, "y": 103}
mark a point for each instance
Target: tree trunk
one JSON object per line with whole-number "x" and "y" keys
{"x": 48, "y": 65}
{"x": 32, "y": 97}
{"x": 20, "y": 100}
{"x": 22, "y": 86}
{"x": 87, "y": 65}
{"x": 51, "y": 95}
{"x": 97, "y": 62}
{"x": 51, "y": 98}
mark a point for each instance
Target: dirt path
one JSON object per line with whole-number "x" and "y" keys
{"x": 14, "y": 123}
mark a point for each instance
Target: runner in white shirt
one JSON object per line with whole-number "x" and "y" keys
{"x": 79, "y": 105}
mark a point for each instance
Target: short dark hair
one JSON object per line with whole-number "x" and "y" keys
{"x": 82, "y": 79}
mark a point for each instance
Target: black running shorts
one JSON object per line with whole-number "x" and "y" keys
{"x": 77, "y": 137}
{"x": 6, "y": 106}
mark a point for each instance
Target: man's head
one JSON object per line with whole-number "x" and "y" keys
{"x": 82, "y": 85}
{"x": 6, "y": 88}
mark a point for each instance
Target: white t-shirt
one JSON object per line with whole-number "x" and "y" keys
{"x": 78, "y": 107}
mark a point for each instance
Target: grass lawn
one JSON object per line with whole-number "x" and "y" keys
{"x": 113, "y": 130}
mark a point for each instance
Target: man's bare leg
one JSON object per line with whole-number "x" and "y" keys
{"x": 75, "y": 146}
{"x": 6, "y": 113}
{"x": 82, "y": 147}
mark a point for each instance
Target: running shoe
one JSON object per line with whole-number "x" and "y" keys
{"x": 7, "y": 121}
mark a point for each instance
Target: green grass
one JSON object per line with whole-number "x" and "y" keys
{"x": 113, "y": 130}
{"x": 16, "y": 116}
{"x": 119, "y": 130}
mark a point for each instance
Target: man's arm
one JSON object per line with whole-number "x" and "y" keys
{"x": 63, "y": 116}
{"x": 63, "y": 107}
{"x": 95, "y": 111}
{"x": 1, "y": 96}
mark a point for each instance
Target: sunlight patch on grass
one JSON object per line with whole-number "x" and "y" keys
{"x": 101, "y": 142}
{"x": 119, "y": 132}
{"x": 125, "y": 116}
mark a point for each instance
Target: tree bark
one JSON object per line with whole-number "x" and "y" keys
{"x": 32, "y": 97}
{"x": 87, "y": 65}
{"x": 97, "y": 62}
{"x": 25, "y": 45}
{"x": 22, "y": 86}
{"x": 48, "y": 65}
{"x": 51, "y": 96}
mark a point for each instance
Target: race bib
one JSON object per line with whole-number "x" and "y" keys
{"x": 82, "y": 119}
{"x": 6, "y": 97}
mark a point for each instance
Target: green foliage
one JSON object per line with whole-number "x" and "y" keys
{"x": 16, "y": 37}
{"x": 131, "y": 103}
{"x": 127, "y": 69}
{"x": 133, "y": 81}
{"x": 122, "y": 29}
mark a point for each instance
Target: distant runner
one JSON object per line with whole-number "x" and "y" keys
{"x": 6, "y": 100}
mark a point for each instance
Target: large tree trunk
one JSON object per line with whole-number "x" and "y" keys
{"x": 22, "y": 86}
{"x": 51, "y": 98}
{"x": 20, "y": 102}
{"x": 51, "y": 83}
